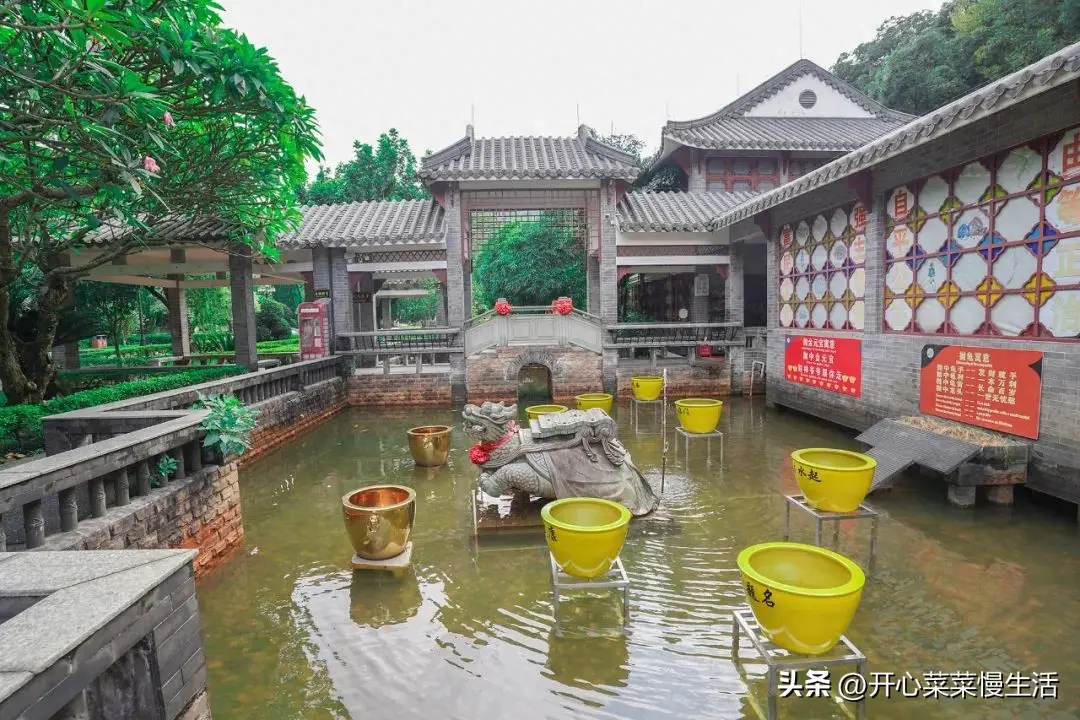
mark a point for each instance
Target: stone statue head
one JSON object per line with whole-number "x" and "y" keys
{"x": 487, "y": 422}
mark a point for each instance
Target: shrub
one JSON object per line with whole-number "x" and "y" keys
{"x": 211, "y": 342}
{"x": 21, "y": 425}
{"x": 272, "y": 320}
{"x": 229, "y": 424}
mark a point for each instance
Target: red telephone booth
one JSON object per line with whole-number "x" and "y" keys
{"x": 314, "y": 321}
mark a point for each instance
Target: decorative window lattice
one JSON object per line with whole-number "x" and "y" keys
{"x": 822, "y": 270}
{"x": 990, "y": 248}
{"x": 741, "y": 174}
{"x": 484, "y": 223}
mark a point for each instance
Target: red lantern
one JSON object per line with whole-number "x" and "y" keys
{"x": 502, "y": 307}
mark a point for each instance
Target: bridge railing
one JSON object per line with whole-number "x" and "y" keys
{"x": 680, "y": 341}
{"x": 533, "y": 325}
{"x": 403, "y": 347}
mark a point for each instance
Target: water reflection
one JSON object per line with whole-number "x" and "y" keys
{"x": 378, "y": 598}
{"x": 468, "y": 632}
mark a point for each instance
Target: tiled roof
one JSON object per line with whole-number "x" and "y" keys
{"x": 674, "y": 211}
{"x": 1052, "y": 71}
{"x": 390, "y": 222}
{"x": 761, "y": 133}
{"x": 519, "y": 158}
{"x": 729, "y": 128}
{"x": 176, "y": 229}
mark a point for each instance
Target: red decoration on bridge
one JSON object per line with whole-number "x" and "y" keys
{"x": 827, "y": 363}
{"x": 988, "y": 387}
{"x": 502, "y": 307}
{"x": 563, "y": 306}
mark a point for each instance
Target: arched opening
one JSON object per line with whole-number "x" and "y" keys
{"x": 533, "y": 384}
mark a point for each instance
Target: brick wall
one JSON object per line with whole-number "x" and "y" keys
{"x": 283, "y": 418}
{"x": 707, "y": 378}
{"x": 423, "y": 390}
{"x": 200, "y": 511}
{"x": 492, "y": 375}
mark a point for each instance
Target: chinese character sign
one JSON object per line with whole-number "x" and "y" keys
{"x": 987, "y": 387}
{"x": 828, "y": 363}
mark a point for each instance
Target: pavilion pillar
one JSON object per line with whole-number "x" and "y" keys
{"x": 179, "y": 332}
{"x": 699, "y": 303}
{"x": 341, "y": 297}
{"x": 608, "y": 280}
{"x": 242, "y": 289}
{"x": 733, "y": 286}
{"x": 592, "y": 284}
{"x": 874, "y": 295}
{"x": 386, "y": 318}
{"x": 456, "y": 279}
{"x": 440, "y": 305}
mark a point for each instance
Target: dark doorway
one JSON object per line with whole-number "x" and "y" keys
{"x": 534, "y": 385}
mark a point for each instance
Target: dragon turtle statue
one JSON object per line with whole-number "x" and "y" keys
{"x": 570, "y": 454}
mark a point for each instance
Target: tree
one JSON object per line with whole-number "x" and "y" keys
{"x": 420, "y": 309}
{"x": 919, "y": 62}
{"x": 530, "y": 262}
{"x": 651, "y": 177}
{"x": 272, "y": 320}
{"x": 116, "y": 114}
{"x": 385, "y": 172}
{"x": 113, "y": 308}
{"x": 290, "y": 296}
{"x": 209, "y": 308}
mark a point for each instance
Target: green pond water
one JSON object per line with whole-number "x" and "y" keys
{"x": 467, "y": 632}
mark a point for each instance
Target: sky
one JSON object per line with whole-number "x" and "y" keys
{"x": 429, "y": 68}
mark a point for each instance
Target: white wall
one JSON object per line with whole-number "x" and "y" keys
{"x": 830, "y": 102}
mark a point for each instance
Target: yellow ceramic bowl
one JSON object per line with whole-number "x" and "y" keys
{"x": 594, "y": 400}
{"x": 698, "y": 415}
{"x": 535, "y": 411}
{"x": 803, "y": 596}
{"x": 647, "y": 387}
{"x": 585, "y": 534}
{"x": 833, "y": 480}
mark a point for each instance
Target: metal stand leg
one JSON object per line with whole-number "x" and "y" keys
{"x": 786, "y": 533}
{"x": 626, "y": 605}
{"x": 772, "y": 693}
{"x": 873, "y": 542}
{"x": 836, "y": 535}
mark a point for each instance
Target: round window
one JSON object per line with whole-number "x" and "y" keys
{"x": 807, "y": 98}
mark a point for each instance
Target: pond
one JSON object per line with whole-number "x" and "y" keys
{"x": 291, "y": 632}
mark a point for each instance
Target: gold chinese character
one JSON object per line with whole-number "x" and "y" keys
{"x": 1012, "y": 375}
{"x": 1012, "y": 392}
{"x": 982, "y": 372}
{"x": 1012, "y": 401}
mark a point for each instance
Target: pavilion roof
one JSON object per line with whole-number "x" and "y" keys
{"x": 386, "y": 222}
{"x": 174, "y": 229}
{"x": 675, "y": 211}
{"x": 730, "y": 128}
{"x": 1052, "y": 71}
{"x": 524, "y": 158}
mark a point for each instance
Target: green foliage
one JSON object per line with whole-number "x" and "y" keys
{"x": 385, "y": 172}
{"x": 209, "y": 309}
{"x": 666, "y": 177}
{"x": 919, "y": 62}
{"x": 418, "y": 310}
{"x": 228, "y": 425}
{"x": 272, "y": 320}
{"x": 126, "y": 114}
{"x": 166, "y": 466}
{"x": 290, "y": 296}
{"x": 112, "y": 306}
{"x": 212, "y": 342}
{"x": 21, "y": 425}
{"x": 530, "y": 262}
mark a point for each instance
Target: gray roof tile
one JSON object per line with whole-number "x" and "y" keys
{"x": 729, "y": 128}
{"x": 1050, "y": 72}
{"x": 517, "y": 158}
{"x": 389, "y": 222}
{"x": 674, "y": 211}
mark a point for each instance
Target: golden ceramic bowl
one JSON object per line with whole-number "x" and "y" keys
{"x": 698, "y": 415}
{"x": 379, "y": 520}
{"x": 429, "y": 445}
{"x": 833, "y": 480}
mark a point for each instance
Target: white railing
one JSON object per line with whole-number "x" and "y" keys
{"x": 533, "y": 325}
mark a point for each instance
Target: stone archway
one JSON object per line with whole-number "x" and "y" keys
{"x": 543, "y": 357}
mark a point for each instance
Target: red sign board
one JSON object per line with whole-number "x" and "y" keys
{"x": 828, "y": 363}
{"x": 989, "y": 387}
